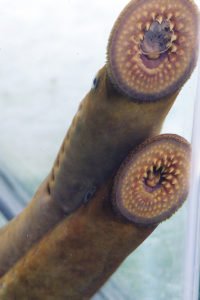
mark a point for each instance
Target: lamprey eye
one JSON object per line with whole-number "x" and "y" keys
{"x": 89, "y": 194}
{"x": 95, "y": 83}
{"x": 153, "y": 48}
{"x": 153, "y": 182}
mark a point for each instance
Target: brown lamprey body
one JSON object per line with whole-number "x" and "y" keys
{"x": 107, "y": 126}
{"x": 77, "y": 257}
{"x": 41, "y": 214}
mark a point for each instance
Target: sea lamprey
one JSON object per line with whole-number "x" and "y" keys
{"x": 131, "y": 97}
{"x": 78, "y": 256}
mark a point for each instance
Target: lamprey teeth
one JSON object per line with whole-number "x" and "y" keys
{"x": 160, "y": 19}
{"x": 174, "y": 48}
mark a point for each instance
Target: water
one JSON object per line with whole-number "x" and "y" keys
{"x": 48, "y": 58}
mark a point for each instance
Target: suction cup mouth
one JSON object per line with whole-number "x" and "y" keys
{"x": 154, "y": 181}
{"x": 153, "y": 48}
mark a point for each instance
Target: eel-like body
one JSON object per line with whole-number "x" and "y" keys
{"x": 78, "y": 256}
{"x": 114, "y": 117}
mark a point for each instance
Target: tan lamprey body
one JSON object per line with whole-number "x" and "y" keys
{"x": 149, "y": 58}
{"x": 77, "y": 257}
{"x": 74, "y": 260}
{"x": 107, "y": 126}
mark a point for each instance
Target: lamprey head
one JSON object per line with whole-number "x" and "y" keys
{"x": 153, "y": 182}
{"x": 153, "y": 48}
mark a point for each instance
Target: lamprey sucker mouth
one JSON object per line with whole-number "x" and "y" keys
{"x": 152, "y": 48}
{"x": 154, "y": 181}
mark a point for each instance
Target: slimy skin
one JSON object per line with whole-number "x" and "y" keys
{"x": 79, "y": 255}
{"x": 110, "y": 122}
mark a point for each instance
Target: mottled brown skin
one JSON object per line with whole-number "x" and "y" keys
{"x": 77, "y": 257}
{"x": 21, "y": 233}
{"x": 106, "y": 127}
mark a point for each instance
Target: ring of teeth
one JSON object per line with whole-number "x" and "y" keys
{"x": 126, "y": 61}
{"x": 154, "y": 181}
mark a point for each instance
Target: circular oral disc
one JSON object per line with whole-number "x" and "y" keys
{"x": 153, "y": 181}
{"x": 153, "y": 48}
